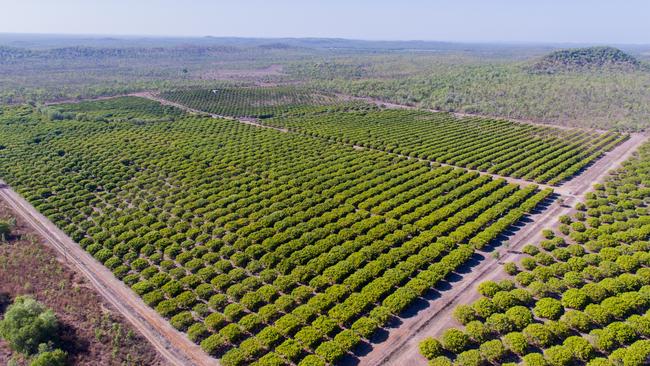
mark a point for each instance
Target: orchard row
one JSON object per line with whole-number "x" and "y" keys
{"x": 543, "y": 154}
{"x": 579, "y": 297}
{"x": 266, "y": 248}
{"x": 249, "y": 101}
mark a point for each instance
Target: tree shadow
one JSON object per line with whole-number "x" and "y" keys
{"x": 70, "y": 342}
{"x": 5, "y": 301}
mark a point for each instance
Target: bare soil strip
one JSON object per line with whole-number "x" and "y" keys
{"x": 173, "y": 345}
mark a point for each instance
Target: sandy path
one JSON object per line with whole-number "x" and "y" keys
{"x": 401, "y": 345}
{"x": 173, "y": 345}
{"x": 598, "y": 171}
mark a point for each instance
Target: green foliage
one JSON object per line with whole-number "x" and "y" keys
{"x": 493, "y": 350}
{"x": 440, "y": 361}
{"x": 5, "y": 229}
{"x": 558, "y": 356}
{"x": 516, "y": 342}
{"x": 254, "y": 241}
{"x": 602, "y": 285}
{"x": 589, "y": 58}
{"x": 388, "y": 130}
{"x": 548, "y": 308}
{"x": 579, "y": 347}
{"x": 262, "y": 102}
{"x": 455, "y": 340}
{"x": 469, "y": 358}
{"x": 430, "y": 348}
{"x": 27, "y": 324}
{"x": 534, "y": 359}
{"x": 50, "y": 358}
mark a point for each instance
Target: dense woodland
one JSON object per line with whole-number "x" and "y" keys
{"x": 602, "y": 98}
{"x": 610, "y": 89}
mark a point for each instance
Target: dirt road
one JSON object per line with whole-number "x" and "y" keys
{"x": 598, "y": 171}
{"x": 401, "y": 345}
{"x": 173, "y": 345}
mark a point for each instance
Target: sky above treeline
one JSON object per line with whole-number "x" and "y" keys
{"x": 557, "y": 21}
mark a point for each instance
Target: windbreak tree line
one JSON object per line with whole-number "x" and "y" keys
{"x": 264, "y": 247}
{"x": 579, "y": 297}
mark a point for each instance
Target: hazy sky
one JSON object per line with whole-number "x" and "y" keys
{"x": 594, "y": 21}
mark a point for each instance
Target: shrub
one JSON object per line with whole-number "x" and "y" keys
{"x": 330, "y": 351}
{"x": 234, "y": 357}
{"x": 538, "y": 335}
{"x": 347, "y": 339}
{"x": 519, "y": 316}
{"x": 477, "y": 331}
{"x": 548, "y": 308}
{"x": 574, "y": 299}
{"x": 440, "y": 361}
{"x": 469, "y": 358}
{"x": 214, "y": 344}
{"x": 365, "y": 327}
{"x": 430, "y": 348}
{"x": 548, "y": 234}
{"x": 28, "y": 323}
{"x": 511, "y": 268}
{"x": 499, "y": 323}
{"x": 577, "y": 320}
{"x": 516, "y": 342}
{"x": 464, "y": 314}
{"x": 290, "y": 348}
{"x": 455, "y": 340}
{"x": 493, "y": 350}
{"x": 197, "y": 332}
{"x": 215, "y": 321}
{"x": 50, "y": 358}
{"x": 488, "y": 288}
{"x": 534, "y": 359}
{"x": 182, "y": 320}
{"x": 579, "y": 347}
{"x": 558, "y": 356}
{"x": 273, "y": 359}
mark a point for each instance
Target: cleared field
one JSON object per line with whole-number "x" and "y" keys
{"x": 265, "y": 247}
{"x": 250, "y": 101}
{"x": 581, "y": 296}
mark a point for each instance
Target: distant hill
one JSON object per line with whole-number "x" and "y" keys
{"x": 590, "y": 58}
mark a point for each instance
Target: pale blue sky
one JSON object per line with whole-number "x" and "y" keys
{"x": 594, "y": 21}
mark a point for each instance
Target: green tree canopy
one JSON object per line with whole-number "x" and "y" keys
{"x": 27, "y": 324}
